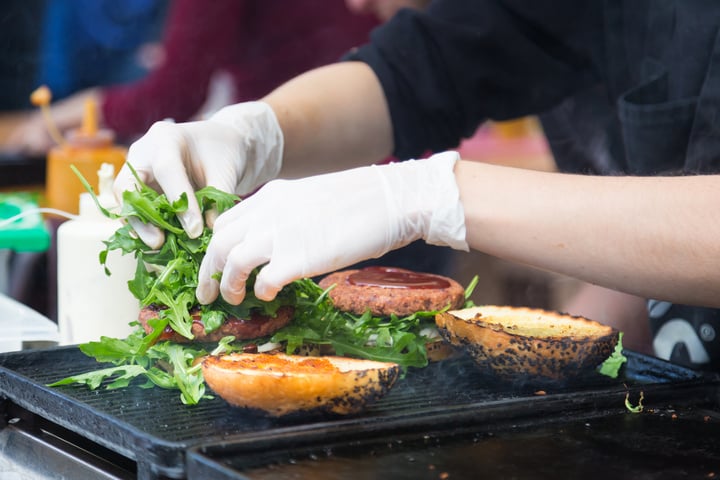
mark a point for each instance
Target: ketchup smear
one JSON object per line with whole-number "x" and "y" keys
{"x": 390, "y": 277}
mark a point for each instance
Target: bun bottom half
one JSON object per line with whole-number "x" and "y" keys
{"x": 282, "y": 384}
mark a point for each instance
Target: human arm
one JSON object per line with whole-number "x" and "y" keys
{"x": 648, "y": 236}
{"x": 30, "y": 136}
{"x": 335, "y": 116}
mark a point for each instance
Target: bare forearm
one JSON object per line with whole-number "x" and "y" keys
{"x": 656, "y": 237}
{"x": 321, "y": 121}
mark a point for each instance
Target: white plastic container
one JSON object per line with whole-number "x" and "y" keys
{"x": 21, "y": 325}
{"x": 92, "y": 304}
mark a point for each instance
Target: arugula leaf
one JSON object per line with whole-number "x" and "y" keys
{"x": 469, "y": 291}
{"x": 611, "y": 366}
{"x": 209, "y": 196}
{"x": 139, "y": 356}
{"x": 186, "y": 374}
{"x": 178, "y": 312}
{"x": 122, "y": 374}
{"x": 317, "y": 321}
{"x": 148, "y": 210}
{"x": 637, "y": 408}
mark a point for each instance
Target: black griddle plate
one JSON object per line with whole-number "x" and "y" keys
{"x": 670, "y": 443}
{"x": 154, "y": 429}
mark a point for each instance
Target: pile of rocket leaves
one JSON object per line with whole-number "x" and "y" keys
{"x": 168, "y": 278}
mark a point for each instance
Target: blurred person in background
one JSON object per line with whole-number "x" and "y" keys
{"x": 242, "y": 48}
{"x": 69, "y": 45}
{"x": 384, "y": 10}
{"x": 87, "y": 43}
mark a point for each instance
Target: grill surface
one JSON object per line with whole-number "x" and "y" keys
{"x": 153, "y": 428}
{"x": 661, "y": 444}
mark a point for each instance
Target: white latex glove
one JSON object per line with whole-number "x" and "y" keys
{"x": 320, "y": 224}
{"x": 237, "y": 149}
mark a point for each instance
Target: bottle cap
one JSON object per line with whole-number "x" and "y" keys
{"x": 105, "y": 196}
{"x": 89, "y": 135}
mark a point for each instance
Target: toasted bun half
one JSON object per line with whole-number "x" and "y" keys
{"x": 439, "y": 350}
{"x": 283, "y": 384}
{"x": 528, "y": 344}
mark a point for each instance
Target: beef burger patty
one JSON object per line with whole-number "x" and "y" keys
{"x": 387, "y": 290}
{"x": 256, "y": 326}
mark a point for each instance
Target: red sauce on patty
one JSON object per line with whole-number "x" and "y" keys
{"x": 388, "y": 277}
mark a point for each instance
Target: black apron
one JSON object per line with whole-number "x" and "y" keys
{"x": 657, "y": 112}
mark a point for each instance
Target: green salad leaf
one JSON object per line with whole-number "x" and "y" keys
{"x": 611, "y": 366}
{"x": 635, "y": 408}
{"x": 317, "y": 321}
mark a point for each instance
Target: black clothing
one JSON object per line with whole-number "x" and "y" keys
{"x": 621, "y": 87}
{"x": 446, "y": 70}
{"x": 645, "y": 68}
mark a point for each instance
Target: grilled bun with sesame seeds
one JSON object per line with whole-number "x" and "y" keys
{"x": 528, "y": 344}
{"x": 287, "y": 384}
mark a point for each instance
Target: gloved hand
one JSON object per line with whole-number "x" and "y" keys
{"x": 320, "y": 224}
{"x": 237, "y": 149}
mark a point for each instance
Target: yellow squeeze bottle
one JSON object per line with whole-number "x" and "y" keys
{"x": 87, "y": 148}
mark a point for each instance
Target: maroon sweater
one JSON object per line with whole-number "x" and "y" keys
{"x": 260, "y": 43}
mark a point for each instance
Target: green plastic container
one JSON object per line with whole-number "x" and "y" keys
{"x": 28, "y": 233}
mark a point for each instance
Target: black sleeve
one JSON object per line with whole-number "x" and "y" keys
{"x": 460, "y": 62}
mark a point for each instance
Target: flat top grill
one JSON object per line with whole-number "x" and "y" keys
{"x": 154, "y": 429}
{"x": 670, "y": 444}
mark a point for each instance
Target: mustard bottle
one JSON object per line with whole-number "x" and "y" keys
{"x": 87, "y": 148}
